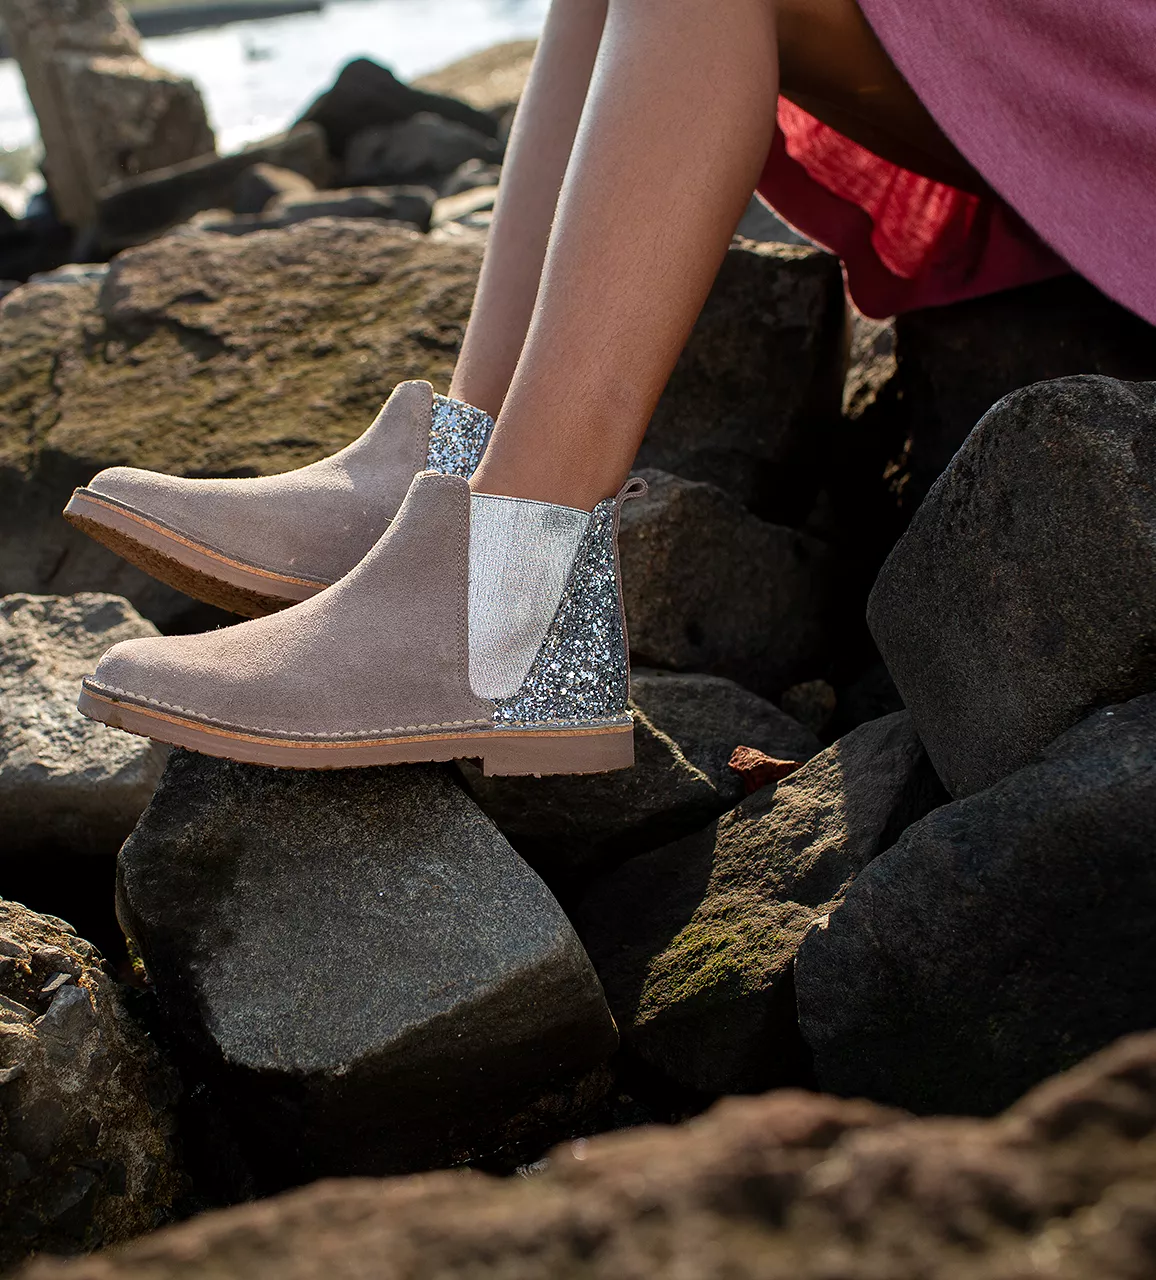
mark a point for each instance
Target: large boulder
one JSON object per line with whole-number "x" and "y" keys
{"x": 784, "y": 1187}
{"x": 760, "y": 379}
{"x": 1024, "y": 593}
{"x": 710, "y": 587}
{"x": 105, "y": 113}
{"x": 209, "y": 355}
{"x": 85, "y": 1103}
{"x": 955, "y": 362}
{"x": 360, "y": 966}
{"x": 1003, "y": 938}
{"x": 694, "y": 942}
{"x": 66, "y": 783}
{"x": 686, "y": 729}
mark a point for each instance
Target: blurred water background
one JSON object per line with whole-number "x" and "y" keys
{"x": 258, "y": 76}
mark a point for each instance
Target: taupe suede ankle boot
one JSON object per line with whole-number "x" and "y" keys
{"x": 382, "y": 668}
{"x": 254, "y": 546}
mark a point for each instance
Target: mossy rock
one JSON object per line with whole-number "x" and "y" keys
{"x": 209, "y": 355}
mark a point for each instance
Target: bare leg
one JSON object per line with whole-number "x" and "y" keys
{"x": 675, "y": 132}
{"x": 532, "y": 175}
{"x": 675, "y": 128}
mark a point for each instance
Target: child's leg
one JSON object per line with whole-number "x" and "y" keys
{"x": 535, "y": 164}
{"x": 676, "y": 128}
{"x": 672, "y": 137}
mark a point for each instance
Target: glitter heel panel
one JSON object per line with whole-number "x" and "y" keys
{"x": 458, "y": 437}
{"x": 581, "y": 673}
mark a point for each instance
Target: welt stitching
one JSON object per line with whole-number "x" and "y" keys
{"x": 360, "y": 733}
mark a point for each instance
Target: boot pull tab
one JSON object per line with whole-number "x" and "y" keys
{"x": 635, "y": 487}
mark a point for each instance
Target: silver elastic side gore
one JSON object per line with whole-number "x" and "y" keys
{"x": 458, "y": 437}
{"x": 582, "y": 671}
{"x": 521, "y": 554}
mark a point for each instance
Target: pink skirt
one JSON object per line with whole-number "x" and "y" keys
{"x": 1053, "y": 102}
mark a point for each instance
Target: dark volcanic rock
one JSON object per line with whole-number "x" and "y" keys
{"x": 426, "y": 148}
{"x": 955, "y": 362}
{"x": 66, "y": 783}
{"x": 1024, "y": 593}
{"x": 259, "y": 354}
{"x": 85, "y": 1119}
{"x": 708, "y": 717}
{"x": 1003, "y": 938}
{"x": 784, "y": 1187}
{"x": 694, "y": 942}
{"x": 366, "y": 972}
{"x": 686, "y": 728}
{"x": 710, "y": 587}
{"x": 365, "y": 95}
{"x": 760, "y": 377}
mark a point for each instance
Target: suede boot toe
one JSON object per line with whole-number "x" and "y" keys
{"x": 256, "y": 545}
{"x": 377, "y": 669}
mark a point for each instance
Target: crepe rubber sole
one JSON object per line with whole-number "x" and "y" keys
{"x": 179, "y": 562}
{"x": 503, "y": 752}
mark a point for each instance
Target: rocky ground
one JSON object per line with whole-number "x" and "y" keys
{"x": 889, "y": 837}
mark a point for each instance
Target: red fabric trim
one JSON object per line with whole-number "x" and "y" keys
{"x": 905, "y": 241}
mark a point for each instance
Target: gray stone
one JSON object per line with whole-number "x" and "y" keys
{"x": 955, "y": 362}
{"x": 694, "y": 942}
{"x": 364, "y": 971}
{"x": 139, "y": 209}
{"x": 105, "y": 113}
{"x": 710, "y": 587}
{"x": 262, "y": 183}
{"x": 424, "y": 148}
{"x": 686, "y": 728}
{"x": 1003, "y": 938}
{"x": 85, "y": 1103}
{"x": 784, "y": 1187}
{"x": 759, "y": 380}
{"x": 366, "y": 94}
{"x": 708, "y": 716}
{"x": 1022, "y": 596}
{"x": 66, "y": 783}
